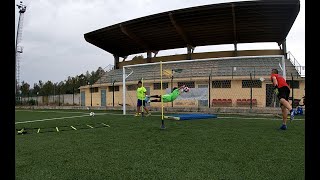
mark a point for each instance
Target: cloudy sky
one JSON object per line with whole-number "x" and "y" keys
{"x": 54, "y": 46}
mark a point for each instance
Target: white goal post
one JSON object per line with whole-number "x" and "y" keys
{"x": 137, "y": 71}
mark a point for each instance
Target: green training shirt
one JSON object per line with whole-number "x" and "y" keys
{"x": 141, "y": 93}
{"x": 172, "y": 96}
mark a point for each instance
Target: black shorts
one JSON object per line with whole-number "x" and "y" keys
{"x": 284, "y": 93}
{"x": 140, "y": 102}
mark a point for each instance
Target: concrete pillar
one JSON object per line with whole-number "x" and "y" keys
{"x": 284, "y": 48}
{"x": 149, "y": 56}
{"x": 189, "y": 49}
{"x": 235, "y": 49}
{"x": 116, "y": 61}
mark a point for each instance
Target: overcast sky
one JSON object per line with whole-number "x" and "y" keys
{"x": 55, "y": 48}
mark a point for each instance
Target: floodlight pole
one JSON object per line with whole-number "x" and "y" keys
{"x": 22, "y": 10}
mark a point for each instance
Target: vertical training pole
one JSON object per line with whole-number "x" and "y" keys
{"x": 142, "y": 107}
{"x": 124, "y": 90}
{"x": 209, "y": 88}
{"x": 291, "y": 84}
{"x": 251, "y": 91}
{"x": 162, "y": 121}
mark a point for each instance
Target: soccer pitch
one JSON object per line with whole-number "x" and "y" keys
{"x": 68, "y": 144}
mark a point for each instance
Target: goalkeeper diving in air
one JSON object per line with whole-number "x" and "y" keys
{"x": 168, "y": 97}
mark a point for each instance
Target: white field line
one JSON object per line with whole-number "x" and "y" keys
{"x": 69, "y": 117}
{"x": 97, "y": 114}
{"x": 50, "y": 119}
{"x": 52, "y": 111}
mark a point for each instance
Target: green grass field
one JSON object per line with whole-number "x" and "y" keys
{"x": 113, "y": 146}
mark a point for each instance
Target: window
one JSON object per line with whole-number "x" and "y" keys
{"x": 189, "y": 84}
{"x": 116, "y": 88}
{"x": 132, "y": 87}
{"x": 158, "y": 86}
{"x": 94, "y": 89}
{"x": 251, "y": 83}
{"x": 221, "y": 84}
{"x": 293, "y": 84}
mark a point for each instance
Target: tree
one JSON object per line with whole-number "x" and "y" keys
{"x": 36, "y": 88}
{"x": 48, "y": 88}
{"x": 25, "y": 87}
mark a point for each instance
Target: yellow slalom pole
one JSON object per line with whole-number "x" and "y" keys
{"x": 161, "y": 90}
{"x": 162, "y": 122}
{"x": 142, "y": 107}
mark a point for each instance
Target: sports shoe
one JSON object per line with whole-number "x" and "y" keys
{"x": 149, "y": 114}
{"x": 292, "y": 115}
{"x": 137, "y": 114}
{"x": 283, "y": 127}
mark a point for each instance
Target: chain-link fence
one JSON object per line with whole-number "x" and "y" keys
{"x": 226, "y": 82}
{"x": 242, "y": 82}
{"x": 50, "y": 100}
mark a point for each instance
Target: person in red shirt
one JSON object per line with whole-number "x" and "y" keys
{"x": 282, "y": 90}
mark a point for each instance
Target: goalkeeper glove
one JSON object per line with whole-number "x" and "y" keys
{"x": 275, "y": 90}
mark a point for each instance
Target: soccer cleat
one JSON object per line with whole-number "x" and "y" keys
{"x": 137, "y": 114}
{"x": 283, "y": 127}
{"x": 149, "y": 114}
{"x": 292, "y": 115}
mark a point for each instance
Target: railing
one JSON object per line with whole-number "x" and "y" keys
{"x": 296, "y": 64}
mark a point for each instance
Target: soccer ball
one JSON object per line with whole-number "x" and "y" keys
{"x": 186, "y": 89}
{"x": 91, "y": 114}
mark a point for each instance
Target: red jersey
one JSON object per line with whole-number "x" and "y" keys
{"x": 281, "y": 81}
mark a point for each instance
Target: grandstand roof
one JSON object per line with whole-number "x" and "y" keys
{"x": 225, "y": 23}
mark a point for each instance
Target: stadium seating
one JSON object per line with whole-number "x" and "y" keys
{"x": 246, "y": 102}
{"x": 221, "y": 102}
{"x": 217, "y": 68}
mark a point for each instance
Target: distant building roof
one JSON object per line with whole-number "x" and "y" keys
{"x": 225, "y": 23}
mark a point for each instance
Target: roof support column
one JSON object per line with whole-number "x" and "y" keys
{"x": 116, "y": 61}
{"x": 284, "y": 48}
{"x": 149, "y": 56}
{"x": 234, "y": 30}
{"x": 190, "y": 51}
{"x": 235, "y": 49}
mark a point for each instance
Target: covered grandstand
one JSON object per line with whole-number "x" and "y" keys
{"x": 226, "y": 23}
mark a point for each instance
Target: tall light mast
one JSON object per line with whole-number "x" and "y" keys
{"x": 19, "y": 48}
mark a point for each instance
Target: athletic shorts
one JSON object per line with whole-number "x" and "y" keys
{"x": 139, "y": 102}
{"x": 284, "y": 93}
